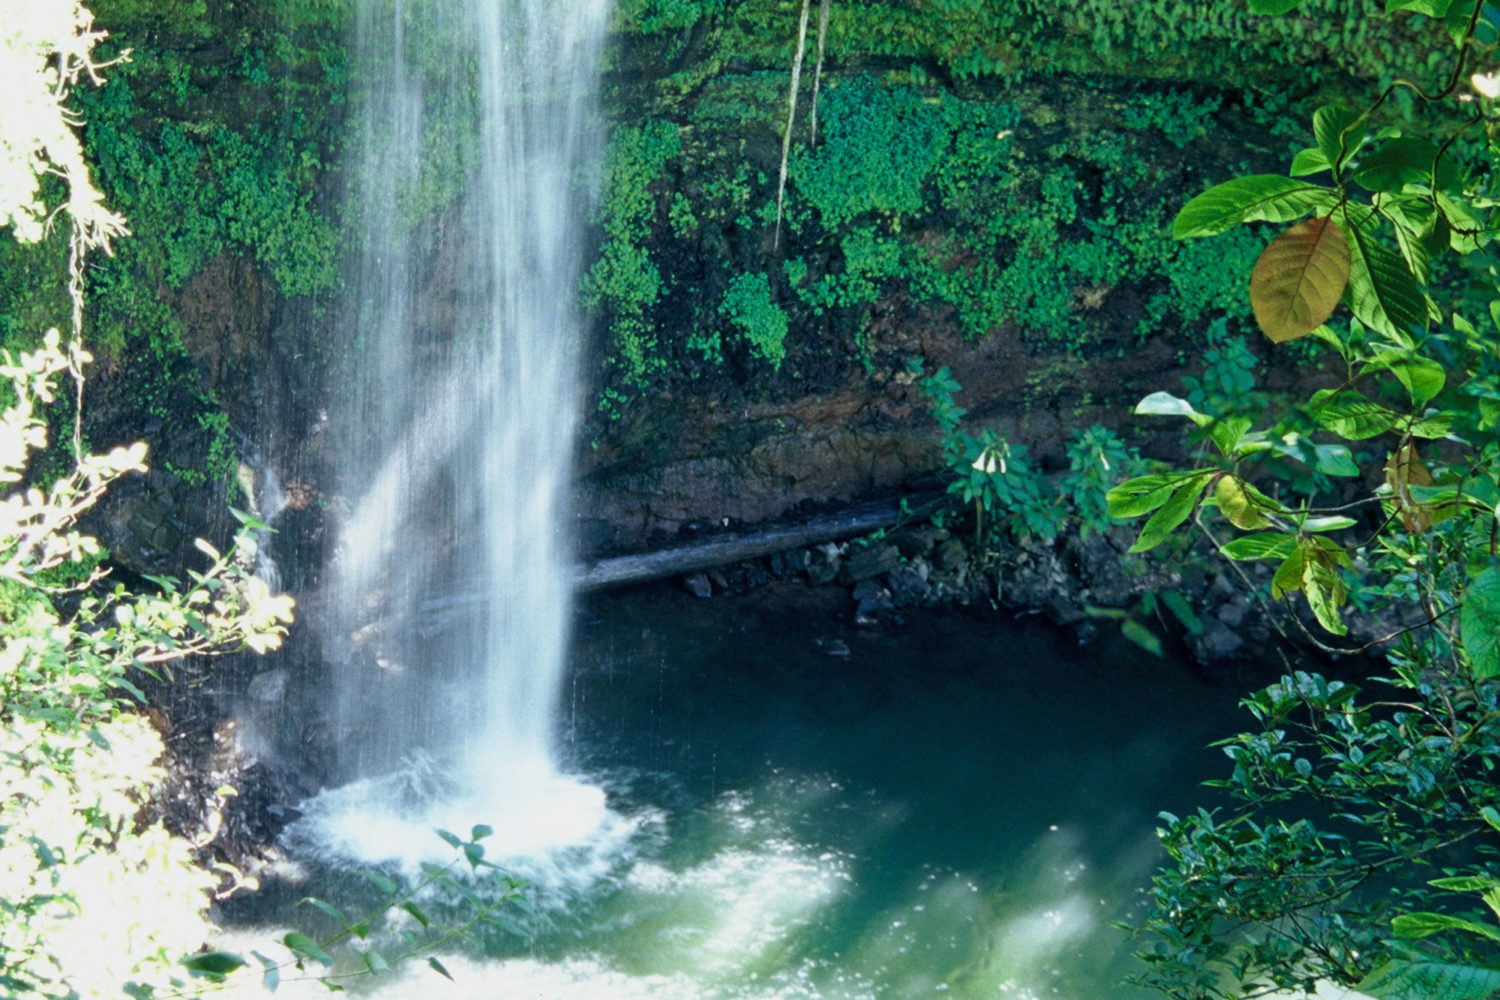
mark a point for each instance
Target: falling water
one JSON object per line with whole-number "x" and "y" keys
{"x": 449, "y": 594}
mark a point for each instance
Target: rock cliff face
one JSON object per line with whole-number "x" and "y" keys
{"x": 1031, "y": 260}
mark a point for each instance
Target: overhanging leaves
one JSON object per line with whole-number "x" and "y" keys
{"x": 1309, "y": 161}
{"x": 1338, "y": 132}
{"x": 1383, "y": 292}
{"x": 1262, "y": 545}
{"x": 1257, "y": 198}
{"x": 1143, "y": 494}
{"x": 1432, "y": 8}
{"x": 1164, "y": 404}
{"x": 213, "y": 965}
{"x": 1423, "y": 378}
{"x": 1237, "y": 506}
{"x": 1299, "y": 279}
{"x": 1420, "y": 925}
{"x": 1172, "y": 513}
{"x": 1480, "y": 623}
{"x": 1408, "y": 980}
{"x": 1351, "y": 415}
{"x": 1407, "y": 159}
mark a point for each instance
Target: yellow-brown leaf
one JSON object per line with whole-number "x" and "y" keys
{"x": 1299, "y": 278}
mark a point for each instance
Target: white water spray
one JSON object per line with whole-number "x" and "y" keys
{"x": 450, "y": 592}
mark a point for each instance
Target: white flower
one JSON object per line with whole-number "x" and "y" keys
{"x": 1487, "y": 84}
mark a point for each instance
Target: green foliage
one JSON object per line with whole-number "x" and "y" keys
{"x": 624, "y": 280}
{"x": 404, "y": 920}
{"x": 1181, "y": 117}
{"x": 1227, "y": 384}
{"x": 995, "y": 476}
{"x": 973, "y": 39}
{"x": 748, "y": 305}
{"x": 1097, "y": 460}
{"x": 879, "y": 146}
{"x": 1346, "y": 797}
{"x": 76, "y": 765}
{"x": 212, "y": 139}
{"x": 913, "y": 194}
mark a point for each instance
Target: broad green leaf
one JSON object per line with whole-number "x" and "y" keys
{"x": 1414, "y": 218}
{"x": 1299, "y": 278}
{"x": 1402, "y": 979}
{"x": 417, "y": 913}
{"x": 1383, "y": 292}
{"x": 1432, "y": 8}
{"x": 375, "y": 962}
{"x": 1309, "y": 161}
{"x": 1479, "y": 623}
{"x": 1329, "y": 550}
{"x": 1487, "y": 31}
{"x": 1407, "y": 159}
{"x": 451, "y": 839}
{"x": 1257, "y": 198}
{"x": 1420, "y": 925}
{"x": 270, "y": 976}
{"x": 1339, "y": 132}
{"x": 1333, "y": 522}
{"x": 1491, "y": 815}
{"x": 1435, "y": 496}
{"x": 1288, "y": 578}
{"x": 1142, "y": 494}
{"x": 1273, "y": 7}
{"x": 481, "y": 831}
{"x": 1351, "y": 415}
{"x": 1182, "y": 611}
{"x": 327, "y": 908}
{"x": 1324, "y": 590}
{"x": 1466, "y": 233}
{"x": 1141, "y": 636}
{"x": 1329, "y": 459}
{"x": 381, "y": 883}
{"x": 1335, "y": 460}
{"x": 1464, "y": 883}
{"x": 1456, "y": 20}
{"x": 1434, "y": 426}
{"x": 1164, "y": 404}
{"x": 305, "y": 947}
{"x": 213, "y": 965}
{"x": 1228, "y": 433}
{"x": 1172, "y": 513}
{"x": 1263, "y": 545}
{"x": 1436, "y": 235}
{"x": 1237, "y": 506}
{"x": 1423, "y": 378}
{"x": 436, "y": 966}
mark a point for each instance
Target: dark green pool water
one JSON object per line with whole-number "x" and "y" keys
{"x": 962, "y": 805}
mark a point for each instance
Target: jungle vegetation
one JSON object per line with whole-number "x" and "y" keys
{"x": 942, "y": 174}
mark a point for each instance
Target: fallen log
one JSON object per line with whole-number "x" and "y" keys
{"x": 762, "y": 540}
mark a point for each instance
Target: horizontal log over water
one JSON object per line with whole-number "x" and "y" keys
{"x": 721, "y": 550}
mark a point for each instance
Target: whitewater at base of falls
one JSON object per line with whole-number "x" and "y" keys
{"x": 555, "y": 831}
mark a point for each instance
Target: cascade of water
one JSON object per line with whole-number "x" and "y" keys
{"x": 449, "y": 593}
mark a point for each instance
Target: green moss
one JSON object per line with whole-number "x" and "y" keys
{"x": 878, "y": 148}
{"x": 1219, "y": 43}
{"x": 748, "y": 305}
{"x": 624, "y": 280}
{"x": 212, "y": 140}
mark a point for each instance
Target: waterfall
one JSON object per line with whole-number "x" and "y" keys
{"x": 449, "y": 593}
